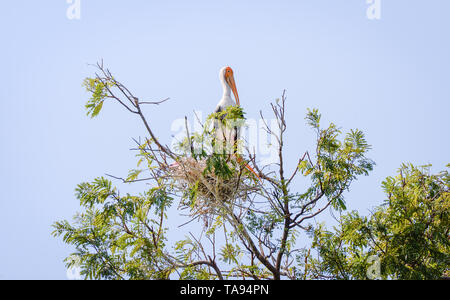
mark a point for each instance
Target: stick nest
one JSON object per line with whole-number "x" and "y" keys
{"x": 211, "y": 191}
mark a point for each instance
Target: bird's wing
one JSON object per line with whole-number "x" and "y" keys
{"x": 235, "y": 137}
{"x": 218, "y": 109}
{"x": 216, "y": 122}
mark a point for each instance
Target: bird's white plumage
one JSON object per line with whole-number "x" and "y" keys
{"x": 226, "y": 97}
{"x": 222, "y": 133}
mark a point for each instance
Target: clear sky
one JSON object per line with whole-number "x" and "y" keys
{"x": 387, "y": 77}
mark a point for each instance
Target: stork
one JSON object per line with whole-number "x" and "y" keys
{"x": 224, "y": 135}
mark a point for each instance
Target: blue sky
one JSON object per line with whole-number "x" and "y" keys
{"x": 387, "y": 77}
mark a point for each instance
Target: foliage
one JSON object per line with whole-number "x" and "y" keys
{"x": 338, "y": 162}
{"x": 117, "y": 237}
{"x": 409, "y": 233}
{"x": 98, "y": 90}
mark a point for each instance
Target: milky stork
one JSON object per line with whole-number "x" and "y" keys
{"x": 223, "y": 134}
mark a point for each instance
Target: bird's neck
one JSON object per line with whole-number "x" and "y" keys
{"x": 226, "y": 91}
{"x": 226, "y": 88}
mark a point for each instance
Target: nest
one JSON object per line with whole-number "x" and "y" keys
{"x": 211, "y": 191}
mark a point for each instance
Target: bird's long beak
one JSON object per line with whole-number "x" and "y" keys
{"x": 232, "y": 84}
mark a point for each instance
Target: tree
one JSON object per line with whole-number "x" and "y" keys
{"x": 408, "y": 236}
{"x": 250, "y": 223}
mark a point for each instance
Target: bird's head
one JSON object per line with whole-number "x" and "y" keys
{"x": 227, "y": 75}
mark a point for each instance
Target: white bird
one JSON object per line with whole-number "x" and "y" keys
{"x": 228, "y": 137}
